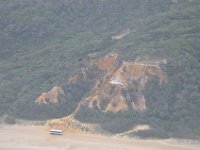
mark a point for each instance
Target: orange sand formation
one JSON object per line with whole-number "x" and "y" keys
{"x": 113, "y": 90}
{"x": 51, "y": 96}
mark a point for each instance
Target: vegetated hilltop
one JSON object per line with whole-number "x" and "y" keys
{"x": 108, "y": 62}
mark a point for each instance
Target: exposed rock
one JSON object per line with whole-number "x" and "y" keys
{"x": 121, "y": 85}
{"x": 50, "y": 96}
{"x": 106, "y": 84}
{"x": 110, "y": 84}
{"x": 108, "y": 63}
{"x": 123, "y": 33}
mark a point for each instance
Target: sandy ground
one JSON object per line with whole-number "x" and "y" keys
{"x": 36, "y": 138}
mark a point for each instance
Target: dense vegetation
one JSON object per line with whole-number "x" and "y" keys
{"x": 42, "y": 39}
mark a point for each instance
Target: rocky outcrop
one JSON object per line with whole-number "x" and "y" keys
{"x": 121, "y": 84}
{"x": 123, "y": 33}
{"x": 110, "y": 84}
{"x": 50, "y": 96}
{"x": 105, "y": 84}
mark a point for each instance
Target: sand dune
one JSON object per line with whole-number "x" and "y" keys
{"x": 36, "y": 138}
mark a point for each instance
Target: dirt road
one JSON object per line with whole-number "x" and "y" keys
{"x": 36, "y": 138}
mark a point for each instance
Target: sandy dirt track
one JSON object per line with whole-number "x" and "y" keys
{"x": 36, "y": 138}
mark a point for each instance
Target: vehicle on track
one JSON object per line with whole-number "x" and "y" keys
{"x": 56, "y": 132}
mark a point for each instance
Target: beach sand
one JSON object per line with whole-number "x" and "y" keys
{"x": 19, "y": 137}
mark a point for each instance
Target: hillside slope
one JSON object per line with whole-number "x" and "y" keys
{"x": 47, "y": 43}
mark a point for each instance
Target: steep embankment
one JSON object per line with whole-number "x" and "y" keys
{"x": 121, "y": 84}
{"x": 116, "y": 86}
{"x": 51, "y": 95}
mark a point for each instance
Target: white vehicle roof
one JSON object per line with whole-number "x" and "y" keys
{"x": 55, "y": 130}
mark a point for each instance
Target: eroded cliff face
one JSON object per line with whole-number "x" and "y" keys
{"x": 106, "y": 84}
{"x": 119, "y": 85}
{"x": 110, "y": 84}
{"x": 50, "y": 96}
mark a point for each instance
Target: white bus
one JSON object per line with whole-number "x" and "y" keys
{"x": 56, "y": 132}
